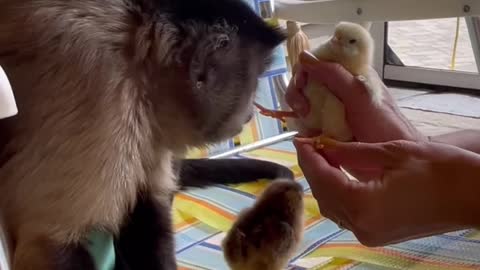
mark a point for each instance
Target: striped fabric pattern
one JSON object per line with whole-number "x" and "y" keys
{"x": 202, "y": 216}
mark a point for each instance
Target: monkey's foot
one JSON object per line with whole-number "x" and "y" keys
{"x": 280, "y": 115}
{"x": 319, "y": 142}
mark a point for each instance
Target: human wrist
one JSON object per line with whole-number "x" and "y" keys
{"x": 467, "y": 186}
{"x": 465, "y": 139}
{"x": 455, "y": 173}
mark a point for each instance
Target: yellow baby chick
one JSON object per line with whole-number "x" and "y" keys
{"x": 351, "y": 46}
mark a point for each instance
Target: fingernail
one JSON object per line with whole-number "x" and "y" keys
{"x": 295, "y": 79}
{"x": 318, "y": 143}
{"x": 307, "y": 58}
{"x": 303, "y": 140}
{"x": 298, "y": 143}
{"x": 322, "y": 142}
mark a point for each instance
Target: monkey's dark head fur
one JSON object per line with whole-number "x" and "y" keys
{"x": 220, "y": 47}
{"x": 191, "y": 65}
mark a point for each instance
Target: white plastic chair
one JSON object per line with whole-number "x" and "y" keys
{"x": 8, "y": 106}
{"x": 333, "y": 11}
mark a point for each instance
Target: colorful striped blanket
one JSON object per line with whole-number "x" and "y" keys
{"x": 202, "y": 216}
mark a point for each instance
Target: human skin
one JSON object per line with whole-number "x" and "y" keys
{"x": 410, "y": 185}
{"x": 414, "y": 189}
{"x": 368, "y": 123}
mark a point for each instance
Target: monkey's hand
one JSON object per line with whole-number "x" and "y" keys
{"x": 280, "y": 115}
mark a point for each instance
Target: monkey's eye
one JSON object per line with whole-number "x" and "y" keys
{"x": 222, "y": 42}
{"x": 352, "y": 41}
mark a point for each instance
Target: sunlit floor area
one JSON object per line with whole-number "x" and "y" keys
{"x": 438, "y": 113}
{"x": 430, "y": 44}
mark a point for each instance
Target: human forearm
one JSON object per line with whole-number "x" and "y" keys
{"x": 466, "y": 186}
{"x": 468, "y": 139}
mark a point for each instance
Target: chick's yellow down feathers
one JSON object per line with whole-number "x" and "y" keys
{"x": 352, "y": 47}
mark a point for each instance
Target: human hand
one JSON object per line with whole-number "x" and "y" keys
{"x": 369, "y": 123}
{"x": 417, "y": 189}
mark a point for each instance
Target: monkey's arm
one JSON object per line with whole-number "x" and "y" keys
{"x": 207, "y": 172}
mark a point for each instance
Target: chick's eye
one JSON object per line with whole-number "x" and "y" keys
{"x": 352, "y": 41}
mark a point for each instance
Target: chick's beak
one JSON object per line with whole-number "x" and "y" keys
{"x": 335, "y": 41}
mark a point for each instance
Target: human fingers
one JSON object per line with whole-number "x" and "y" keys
{"x": 368, "y": 156}
{"x": 294, "y": 95}
{"x": 335, "y": 77}
{"x": 332, "y": 189}
{"x": 317, "y": 170}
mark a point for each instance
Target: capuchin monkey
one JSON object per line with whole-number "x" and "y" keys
{"x": 109, "y": 93}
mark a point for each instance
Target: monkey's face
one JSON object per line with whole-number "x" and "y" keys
{"x": 215, "y": 53}
{"x": 222, "y": 72}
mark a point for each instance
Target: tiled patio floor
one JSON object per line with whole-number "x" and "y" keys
{"x": 434, "y": 122}
{"x": 429, "y": 43}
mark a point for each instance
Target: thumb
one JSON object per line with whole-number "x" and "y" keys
{"x": 314, "y": 166}
{"x": 365, "y": 156}
{"x": 322, "y": 177}
{"x": 295, "y": 97}
{"x": 339, "y": 81}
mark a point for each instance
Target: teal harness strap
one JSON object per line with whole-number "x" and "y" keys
{"x": 100, "y": 246}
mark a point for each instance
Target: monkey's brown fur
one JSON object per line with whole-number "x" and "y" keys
{"x": 265, "y": 236}
{"x": 107, "y": 92}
